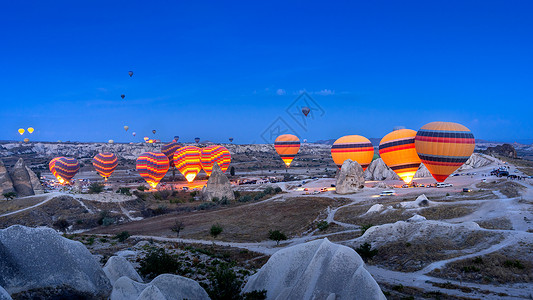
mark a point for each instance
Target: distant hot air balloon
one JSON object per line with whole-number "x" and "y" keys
{"x": 306, "y": 110}
{"x": 397, "y": 149}
{"x": 64, "y": 168}
{"x": 443, "y": 147}
{"x": 215, "y": 154}
{"x": 105, "y": 164}
{"x": 152, "y": 166}
{"x": 111, "y": 141}
{"x": 231, "y": 140}
{"x": 305, "y": 140}
{"x": 126, "y": 128}
{"x": 287, "y": 146}
{"x": 134, "y": 134}
{"x": 197, "y": 139}
{"x": 187, "y": 161}
{"x": 146, "y": 139}
{"x": 30, "y": 130}
{"x": 168, "y": 150}
{"x": 154, "y": 131}
{"x": 176, "y": 138}
{"x": 122, "y": 96}
{"x": 131, "y": 73}
{"x": 21, "y": 131}
{"x": 26, "y": 140}
{"x": 355, "y": 147}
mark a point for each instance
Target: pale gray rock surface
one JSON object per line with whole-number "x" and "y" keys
{"x": 35, "y": 182}
{"x": 6, "y": 185}
{"x": 39, "y": 263}
{"x": 315, "y": 270}
{"x": 476, "y": 160}
{"x": 422, "y": 172}
{"x": 21, "y": 179}
{"x": 173, "y": 287}
{"x": 126, "y": 289}
{"x": 4, "y": 295}
{"x": 151, "y": 293}
{"x": 350, "y": 178}
{"x": 378, "y": 170}
{"x": 218, "y": 186}
{"x": 117, "y": 267}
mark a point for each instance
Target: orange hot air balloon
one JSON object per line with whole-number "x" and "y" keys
{"x": 287, "y": 146}
{"x": 443, "y": 147}
{"x": 21, "y": 131}
{"x": 397, "y": 149}
{"x": 152, "y": 166}
{"x": 355, "y": 147}
{"x": 187, "y": 161}
{"x": 26, "y": 140}
{"x": 215, "y": 154}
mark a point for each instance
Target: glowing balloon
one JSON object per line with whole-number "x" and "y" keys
{"x": 197, "y": 140}
{"x": 30, "y": 130}
{"x": 355, "y": 147}
{"x": 306, "y": 110}
{"x": 443, "y": 147}
{"x": 397, "y": 149}
{"x": 130, "y": 73}
{"x": 152, "y": 166}
{"x": 122, "y": 96}
{"x": 64, "y": 168}
{"x": 187, "y": 161}
{"x": 105, "y": 164}
{"x": 26, "y": 140}
{"x": 21, "y": 131}
{"x": 215, "y": 154}
{"x": 126, "y": 128}
{"x": 168, "y": 150}
{"x": 287, "y": 146}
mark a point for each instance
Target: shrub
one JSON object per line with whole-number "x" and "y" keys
{"x": 478, "y": 260}
{"x": 245, "y": 198}
{"x": 10, "y": 195}
{"x": 124, "y": 191}
{"x": 278, "y": 190}
{"x": 224, "y": 284}
{"x": 105, "y": 218}
{"x": 206, "y": 205}
{"x": 177, "y": 227}
{"x": 366, "y": 252}
{"x": 277, "y": 236}
{"x": 322, "y": 225}
{"x": 365, "y": 227}
{"x": 121, "y": 237}
{"x": 237, "y": 194}
{"x": 215, "y": 230}
{"x": 96, "y": 188}
{"x": 161, "y": 209}
{"x": 142, "y": 188}
{"x": 61, "y": 224}
{"x": 158, "y": 262}
{"x": 259, "y": 196}
{"x": 223, "y": 201}
{"x": 513, "y": 264}
{"x": 268, "y": 190}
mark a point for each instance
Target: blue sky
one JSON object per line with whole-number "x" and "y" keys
{"x": 216, "y": 70}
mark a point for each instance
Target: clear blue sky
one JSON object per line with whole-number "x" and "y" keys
{"x": 215, "y": 70}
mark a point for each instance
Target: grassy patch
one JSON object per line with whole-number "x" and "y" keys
{"x": 498, "y": 223}
{"x": 444, "y": 212}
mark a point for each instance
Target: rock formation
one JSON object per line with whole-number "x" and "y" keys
{"x": 350, "y": 178}
{"x": 6, "y": 185}
{"x": 315, "y": 270}
{"x": 476, "y": 160}
{"x": 39, "y": 263}
{"x": 378, "y": 170}
{"x": 21, "y": 179}
{"x": 505, "y": 150}
{"x": 35, "y": 182}
{"x": 422, "y": 172}
{"x": 218, "y": 186}
{"x": 170, "y": 286}
{"x": 4, "y": 295}
{"x": 117, "y": 267}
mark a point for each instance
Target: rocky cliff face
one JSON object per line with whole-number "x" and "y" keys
{"x": 378, "y": 170}
{"x": 218, "y": 186}
{"x": 505, "y": 150}
{"x": 21, "y": 179}
{"x": 6, "y": 184}
{"x": 350, "y": 178}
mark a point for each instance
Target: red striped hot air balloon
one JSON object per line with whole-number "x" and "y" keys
{"x": 215, "y": 154}
{"x": 355, "y": 147}
{"x": 287, "y": 146}
{"x": 105, "y": 164}
{"x": 187, "y": 161}
{"x": 443, "y": 147}
{"x": 397, "y": 149}
{"x": 152, "y": 166}
{"x": 64, "y": 168}
{"x": 169, "y": 149}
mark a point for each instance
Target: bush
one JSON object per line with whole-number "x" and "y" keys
{"x": 10, "y": 195}
{"x": 223, "y": 201}
{"x": 161, "y": 209}
{"x": 206, "y": 205}
{"x": 365, "y": 227}
{"x": 366, "y": 252}
{"x": 255, "y": 295}
{"x": 215, "y": 230}
{"x": 105, "y": 218}
{"x": 96, "y": 188}
{"x": 142, "y": 188}
{"x": 259, "y": 196}
{"x": 513, "y": 264}
{"x": 177, "y": 227}
{"x": 61, "y": 224}
{"x": 237, "y": 194}
{"x": 158, "y": 262}
{"x": 121, "y": 237}
{"x": 278, "y": 190}
{"x": 245, "y": 198}
{"x": 268, "y": 190}
{"x": 277, "y": 236}
{"x": 323, "y": 225}
{"x": 224, "y": 284}
{"x": 124, "y": 191}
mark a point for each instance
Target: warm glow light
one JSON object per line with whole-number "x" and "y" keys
{"x": 60, "y": 179}
{"x": 190, "y": 177}
{"x": 407, "y": 178}
{"x": 153, "y": 184}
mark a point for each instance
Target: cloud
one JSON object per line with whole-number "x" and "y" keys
{"x": 325, "y": 92}
{"x": 281, "y": 92}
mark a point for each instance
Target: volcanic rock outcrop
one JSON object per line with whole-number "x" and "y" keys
{"x": 117, "y": 266}
{"x": 378, "y": 170}
{"x": 350, "y": 178}
{"x": 6, "y": 185}
{"x": 505, "y": 150}
{"x": 21, "y": 179}
{"x": 218, "y": 186}
{"x": 35, "y": 182}
{"x": 38, "y": 263}
{"x": 4, "y": 295}
{"x": 315, "y": 270}
{"x": 169, "y": 286}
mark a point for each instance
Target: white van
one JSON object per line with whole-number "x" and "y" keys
{"x": 387, "y": 193}
{"x": 443, "y": 185}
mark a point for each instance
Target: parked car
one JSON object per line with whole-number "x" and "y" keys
{"x": 466, "y": 190}
{"x": 443, "y": 185}
{"x": 387, "y": 193}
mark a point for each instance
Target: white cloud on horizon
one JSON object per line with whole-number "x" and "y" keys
{"x": 281, "y": 92}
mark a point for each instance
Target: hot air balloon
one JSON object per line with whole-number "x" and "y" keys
{"x": 187, "y": 161}
{"x": 26, "y": 140}
{"x": 215, "y": 154}
{"x": 134, "y": 134}
{"x": 231, "y": 140}
{"x": 126, "y": 128}
{"x": 152, "y": 166}
{"x": 154, "y": 131}
{"x": 30, "y": 130}
{"x": 306, "y": 110}
{"x": 176, "y": 138}
{"x": 397, "y": 149}
{"x": 105, "y": 164}
{"x": 168, "y": 150}
{"x": 21, "y": 131}
{"x": 111, "y": 141}
{"x": 131, "y": 73}
{"x": 122, "y": 96}
{"x": 64, "y": 168}
{"x": 197, "y": 140}
{"x": 146, "y": 139}
{"x": 287, "y": 146}
{"x": 443, "y": 147}
{"x": 355, "y": 147}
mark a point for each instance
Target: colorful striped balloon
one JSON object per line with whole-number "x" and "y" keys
{"x": 215, "y": 154}
{"x": 152, "y": 166}
{"x": 355, "y": 147}
{"x": 169, "y": 149}
{"x": 287, "y": 146}
{"x": 397, "y": 149}
{"x": 443, "y": 147}
{"x": 105, "y": 164}
{"x": 64, "y": 168}
{"x": 187, "y": 161}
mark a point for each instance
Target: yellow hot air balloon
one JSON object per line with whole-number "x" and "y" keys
{"x": 126, "y": 128}
{"x": 355, "y": 147}
{"x": 111, "y": 141}
{"x": 397, "y": 149}
{"x": 26, "y": 140}
{"x": 21, "y": 131}
{"x": 30, "y": 130}
{"x": 287, "y": 146}
{"x": 443, "y": 147}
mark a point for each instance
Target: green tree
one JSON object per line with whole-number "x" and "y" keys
{"x": 9, "y": 195}
{"x": 121, "y": 237}
{"x": 215, "y": 230}
{"x": 96, "y": 188}
{"x": 61, "y": 224}
{"x": 158, "y": 262}
{"x": 177, "y": 227}
{"x": 277, "y": 236}
{"x": 366, "y": 251}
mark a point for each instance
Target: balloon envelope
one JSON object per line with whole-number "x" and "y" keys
{"x": 197, "y": 139}
{"x": 126, "y": 128}
{"x": 152, "y": 166}
{"x": 21, "y": 131}
{"x": 306, "y": 110}
{"x": 30, "y": 130}
{"x": 443, "y": 147}
{"x": 169, "y": 150}
{"x": 105, "y": 164}
{"x": 26, "y": 140}
{"x": 212, "y": 155}
{"x": 64, "y": 168}
{"x": 131, "y": 73}
{"x": 111, "y": 141}
{"x": 231, "y": 140}
{"x": 287, "y": 146}
{"x": 187, "y": 161}
{"x": 176, "y": 138}
{"x": 154, "y": 131}
{"x": 397, "y": 149}
{"x": 355, "y": 147}
{"x": 122, "y": 96}
{"x": 134, "y": 134}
